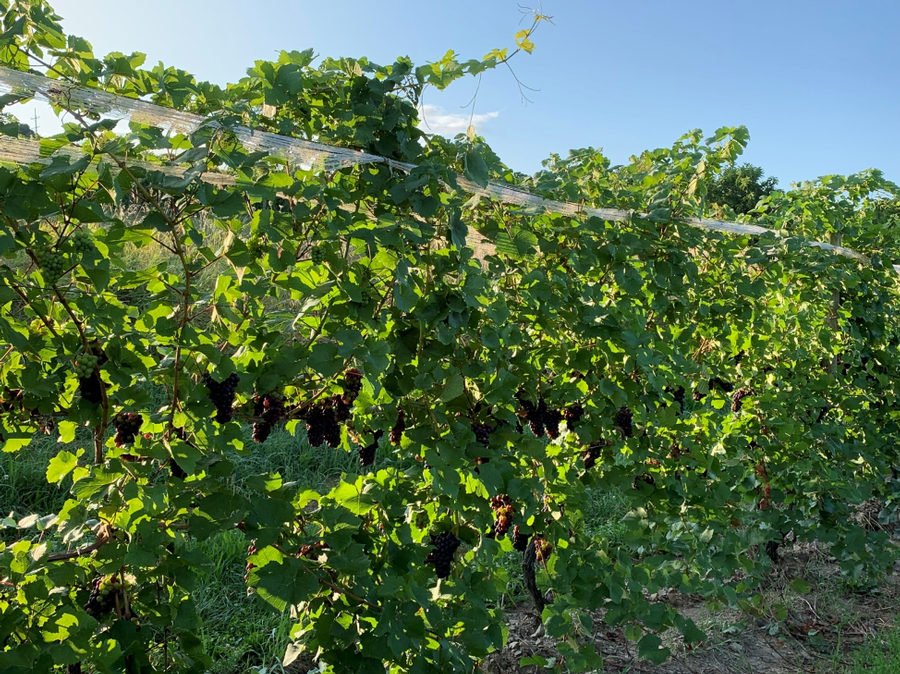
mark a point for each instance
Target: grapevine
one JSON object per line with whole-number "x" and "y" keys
{"x": 372, "y": 304}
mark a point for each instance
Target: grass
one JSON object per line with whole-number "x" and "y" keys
{"x": 239, "y": 631}
{"x": 878, "y": 655}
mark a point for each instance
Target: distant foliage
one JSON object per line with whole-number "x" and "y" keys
{"x": 740, "y": 188}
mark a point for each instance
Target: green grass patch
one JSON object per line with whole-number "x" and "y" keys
{"x": 878, "y": 655}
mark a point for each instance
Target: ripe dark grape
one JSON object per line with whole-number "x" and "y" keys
{"x": 341, "y": 409}
{"x": 573, "y": 414}
{"x": 519, "y": 540}
{"x": 551, "y": 421}
{"x": 678, "y": 395}
{"x": 322, "y": 426}
{"x": 737, "y": 400}
{"x": 127, "y": 427}
{"x": 623, "y": 421}
{"x": 397, "y": 431}
{"x": 270, "y": 409}
{"x": 482, "y": 432}
{"x": 352, "y": 385}
{"x": 721, "y": 384}
{"x": 367, "y": 453}
{"x": 644, "y": 478}
{"x": 541, "y": 418}
{"x": 592, "y": 453}
{"x": 222, "y": 395}
{"x": 527, "y": 408}
{"x": 102, "y": 600}
{"x": 445, "y": 544}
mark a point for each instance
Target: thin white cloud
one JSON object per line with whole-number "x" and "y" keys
{"x": 437, "y": 120}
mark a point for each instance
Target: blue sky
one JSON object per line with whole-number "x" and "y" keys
{"x": 816, "y": 82}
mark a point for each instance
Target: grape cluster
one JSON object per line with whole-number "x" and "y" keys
{"x": 542, "y": 550}
{"x": 573, "y": 414}
{"x": 102, "y": 599}
{"x": 11, "y": 400}
{"x": 678, "y": 395}
{"x": 643, "y": 478}
{"x": 251, "y": 550}
{"x": 322, "y": 426}
{"x": 503, "y": 511}
{"x": 367, "y": 453}
{"x": 352, "y": 385}
{"x": 540, "y": 417}
{"x": 519, "y": 540}
{"x": 127, "y": 427}
{"x": 721, "y": 384}
{"x": 317, "y": 254}
{"x": 397, "y": 431}
{"x": 85, "y": 365}
{"x": 51, "y": 262}
{"x": 737, "y": 400}
{"x": 270, "y": 410}
{"x": 551, "y": 417}
{"x": 256, "y": 246}
{"x": 592, "y": 453}
{"x": 91, "y": 388}
{"x": 82, "y": 242}
{"x": 312, "y": 551}
{"x": 623, "y": 421}
{"x": 222, "y": 395}
{"x": 342, "y": 411}
{"x": 445, "y": 544}
{"x": 482, "y": 432}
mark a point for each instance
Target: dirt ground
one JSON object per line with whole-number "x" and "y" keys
{"x": 821, "y": 628}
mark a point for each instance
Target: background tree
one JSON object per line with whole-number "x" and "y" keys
{"x": 741, "y": 188}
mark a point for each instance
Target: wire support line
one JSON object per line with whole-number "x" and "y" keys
{"x": 310, "y": 154}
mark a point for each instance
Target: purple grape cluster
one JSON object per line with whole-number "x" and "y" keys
{"x": 322, "y": 426}
{"x": 737, "y": 400}
{"x": 352, "y": 385}
{"x": 445, "y": 544}
{"x": 367, "y": 452}
{"x": 127, "y": 427}
{"x": 397, "y": 431}
{"x": 222, "y": 395}
{"x": 573, "y": 414}
{"x": 540, "y": 417}
{"x": 623, "y": 421}
{"x": 482, "y": 432}
{"x": 270, "y": 410}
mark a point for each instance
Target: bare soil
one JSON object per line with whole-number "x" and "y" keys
{"x": 820, "y": 629}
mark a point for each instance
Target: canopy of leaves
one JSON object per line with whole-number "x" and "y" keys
{"x": 734, "y": 389}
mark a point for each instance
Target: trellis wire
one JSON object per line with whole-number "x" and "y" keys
{"x": 312, "y": 154}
